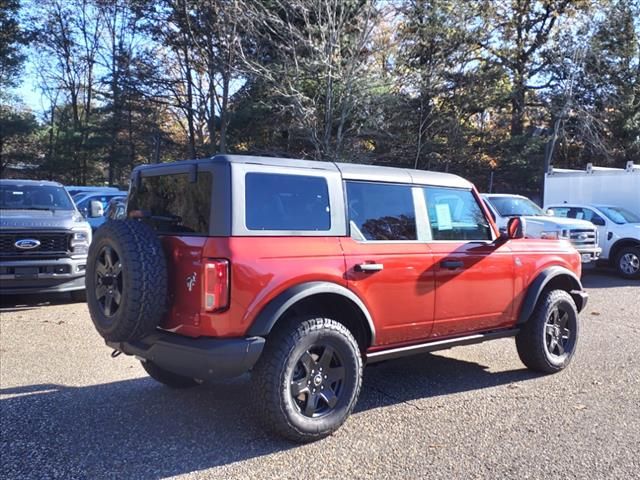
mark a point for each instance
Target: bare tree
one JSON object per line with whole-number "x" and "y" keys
{"x": 313, "y": 54}
{"x": 67, "y": 36}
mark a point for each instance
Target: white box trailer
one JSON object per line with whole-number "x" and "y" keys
{"x": 618, "y": 187}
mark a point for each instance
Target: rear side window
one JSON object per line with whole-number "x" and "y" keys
{"x": 381, "y": 212}
{"x": 454, "y": 214}
{"x": 287, "y": 202}
{"x": 173, "y": 204}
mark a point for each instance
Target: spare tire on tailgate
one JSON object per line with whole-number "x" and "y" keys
{"x": 126, "y": 280}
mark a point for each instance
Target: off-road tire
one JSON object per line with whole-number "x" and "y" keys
{"x": 170, "y": 379}
{"x": 141, "y": 278}
{"x": 273, "y": 378}
{"x": 533, "y": 339}
{"x": 630, "y": 255}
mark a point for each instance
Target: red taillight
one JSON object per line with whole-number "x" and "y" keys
{"x": 216, "y": 285}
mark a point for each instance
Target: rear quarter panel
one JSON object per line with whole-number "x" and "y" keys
{"x": 261, "y": 268}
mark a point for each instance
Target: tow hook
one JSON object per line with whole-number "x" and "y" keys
{"x": 115, "y": 353}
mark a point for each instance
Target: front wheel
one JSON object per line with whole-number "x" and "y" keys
{"x": 547, "y": 342}
{"x": 308, "y": 379}
{"x": 628, "y": 262}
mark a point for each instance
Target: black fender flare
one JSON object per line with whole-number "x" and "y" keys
{"x": 273, "y": 311}
{"x": 542, "y": 280}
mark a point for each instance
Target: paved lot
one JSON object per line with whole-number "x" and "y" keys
{"x": 70, "y": 411}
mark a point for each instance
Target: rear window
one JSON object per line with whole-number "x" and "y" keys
{"x": 381, "y": 212}
{"x": 173, "y": 204}
{"x": 287, "y": 202}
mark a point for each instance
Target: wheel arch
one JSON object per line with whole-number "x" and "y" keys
{"x": 331, "y": 299}
{"x": 622, "y": 243}
{"x": 552, "y": 278}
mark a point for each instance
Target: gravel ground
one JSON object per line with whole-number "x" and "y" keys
{"x": 70, "y": 411}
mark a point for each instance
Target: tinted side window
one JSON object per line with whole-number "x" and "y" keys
{"x": 287, "y": 202}
{"x": 560, "y": 211}
{"x": 454, "y": 214}
{"x": 381, "y": 212}
{"x": 578, "y": 213}
{"x": 172, "y": 204}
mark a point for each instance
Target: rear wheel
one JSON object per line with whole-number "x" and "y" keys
{"x": 547, "y": 342}
{"x": 308, "y": 379}
{"x": 628, "y": 262}
{"x": 168, "y": 378}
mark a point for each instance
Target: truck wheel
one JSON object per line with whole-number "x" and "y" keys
{"x": 547, "y": 342}
{"x": 628, "y": 262}
{"x": 308, "y": 379}
{"x": 170, "y": 379}
{"x": 126, "y": 280}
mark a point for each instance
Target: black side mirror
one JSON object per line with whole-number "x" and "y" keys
{"x": 516, "y": 228}
{"x": 598, "y": 221}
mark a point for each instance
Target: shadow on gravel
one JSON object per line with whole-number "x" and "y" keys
{"x": 140, "y": 429}
{"x": 605, "y": 278}
{"x": 22, "y": 303}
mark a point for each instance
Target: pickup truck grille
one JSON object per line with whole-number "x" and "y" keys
{"x": 583, "y": 238}
{"x": 52, "y": 245}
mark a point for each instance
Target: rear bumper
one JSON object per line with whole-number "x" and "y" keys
{"x": 201, "y": 358}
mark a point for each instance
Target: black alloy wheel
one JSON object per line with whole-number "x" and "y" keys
{"x": 558, "y": 334}
{"x": 108, "y": 281}
{"x": 317, "y": 380}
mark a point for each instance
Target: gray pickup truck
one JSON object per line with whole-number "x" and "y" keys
{"x": 44, "y": 240}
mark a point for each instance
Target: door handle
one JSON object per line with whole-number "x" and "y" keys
{"x": 452, "y": 264}
{"x": 369, "y": 267}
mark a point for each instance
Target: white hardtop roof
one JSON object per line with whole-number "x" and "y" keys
{"x": 355, "y": 171}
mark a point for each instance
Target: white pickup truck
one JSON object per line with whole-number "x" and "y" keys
{"x": 618, "y": 231}
{"x": 582, "y": 234}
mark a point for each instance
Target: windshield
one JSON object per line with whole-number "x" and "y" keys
{"x": 34, "y": 197}
{"x": 515, "y": 206}
{"x": 620, "y": 215}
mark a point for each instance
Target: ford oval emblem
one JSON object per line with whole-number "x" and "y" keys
{"x": 27, "y": 243}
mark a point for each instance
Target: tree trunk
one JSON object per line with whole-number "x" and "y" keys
{"x": 212, "y": 109}
{"x": 223, "y": 113}
{"x": 517, "y": 104}
{"x": 190, "y": 124}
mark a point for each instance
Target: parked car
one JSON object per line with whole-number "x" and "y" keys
{"x": 581, "y": 233}
{"x": 93, "y": 206}
{"x": 618, "y": 231}
{"x": 44, "y": 240}
{"x": 303, "y": 272}
{"x": 75, "y": 190}
{"x": 116, "y": 209}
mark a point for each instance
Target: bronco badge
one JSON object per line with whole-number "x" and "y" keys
{"x": 191, "y": 281}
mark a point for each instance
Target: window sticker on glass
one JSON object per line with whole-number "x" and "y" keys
{"x": 443, "y": 215}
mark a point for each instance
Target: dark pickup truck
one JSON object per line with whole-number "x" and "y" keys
{"x": 44, "y": 240}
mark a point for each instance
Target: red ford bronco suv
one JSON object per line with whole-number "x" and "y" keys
{"x": 303, "y": 272}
